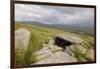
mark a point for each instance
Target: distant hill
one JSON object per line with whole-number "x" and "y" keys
{"x": 78, "y": 27}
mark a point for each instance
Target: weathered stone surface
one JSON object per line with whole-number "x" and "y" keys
{"x": 70, "y": 52}
{"x": 59, "y": 57}
{"x": 90, "y": 54}
{"x": 46, "y": 51}
{"x": 71, "y": 38}
{"x": 77, "y": 47}
{"x": 64, "y": 57}
{"x": 42, "y": 53}
{"x": 22, "y": 38}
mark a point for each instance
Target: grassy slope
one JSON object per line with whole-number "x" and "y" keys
{"x": 39, "y": 35}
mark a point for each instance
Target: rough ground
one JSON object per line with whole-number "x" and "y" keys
{"x": 51, "y": 53}
{"x": 37, "y": 43}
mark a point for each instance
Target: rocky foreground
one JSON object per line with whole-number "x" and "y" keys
{"x": 52, "y": 53}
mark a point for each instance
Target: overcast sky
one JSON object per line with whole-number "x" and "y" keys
{"x": 53, "y": 14}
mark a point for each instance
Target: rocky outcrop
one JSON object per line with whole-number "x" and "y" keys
{"x": 58, "y": 57}
{"x": 51, "y": 53}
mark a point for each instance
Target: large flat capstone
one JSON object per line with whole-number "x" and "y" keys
{"x": 71, "y": 38}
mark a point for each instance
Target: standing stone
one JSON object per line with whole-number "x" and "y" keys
{"x": 22, "y": 39}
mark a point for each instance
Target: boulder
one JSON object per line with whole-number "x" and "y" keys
{"x": 90, "y": 54}
{"x": 22, "y": 38}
